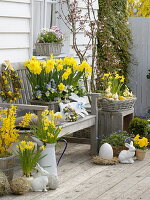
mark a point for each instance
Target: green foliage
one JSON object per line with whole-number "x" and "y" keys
{"x": 50, "y": 35}
{"x": 114, "y": 38}
{"x": 138, "y": 126}
{"x": 117, "y": 139}
{"x": 148, "y": 75}
{"x": 28, "y": 157}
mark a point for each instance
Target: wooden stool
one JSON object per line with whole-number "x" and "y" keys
{"x": 110, "y": 122}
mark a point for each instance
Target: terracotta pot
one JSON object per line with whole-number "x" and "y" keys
{"x": 7, "y": 165}
{"x": 140, "y": 154}
{"x": 117, "y": 150}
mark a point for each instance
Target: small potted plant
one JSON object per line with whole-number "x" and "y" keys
{"x": 138, "y": 125}
{"x": 117, "y": 141}
{"x": 116, "y": 95}
{"x": 49, "y": 42}
{"x": 8, "y": 136}
{"x": 46, "y": 133}
{"x": 141, "y": 144}
{"x": 55, "y": 79}
{"x": 28, "y": 156}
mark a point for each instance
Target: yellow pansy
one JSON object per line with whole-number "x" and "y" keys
{"x": 61, "y": 86}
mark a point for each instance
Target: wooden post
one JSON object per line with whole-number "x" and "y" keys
{"x": 94, "y": 129}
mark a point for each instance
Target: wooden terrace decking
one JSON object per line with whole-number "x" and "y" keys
{"x": 82, "y": 180}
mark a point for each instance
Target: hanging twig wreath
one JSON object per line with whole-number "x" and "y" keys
{"x": 10, "y": 84}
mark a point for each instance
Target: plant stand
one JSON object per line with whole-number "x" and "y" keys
{"x": 110, "y": 122}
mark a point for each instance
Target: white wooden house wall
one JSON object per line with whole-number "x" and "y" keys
{"x": 140, "y": 27}
{"x": 15, "y": 29}
{"x": 44, "y": 16}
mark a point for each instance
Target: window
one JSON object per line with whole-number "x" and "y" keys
{"x": 44, "y": 15}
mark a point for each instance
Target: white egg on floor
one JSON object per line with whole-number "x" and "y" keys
{"x": 106, "y": 151}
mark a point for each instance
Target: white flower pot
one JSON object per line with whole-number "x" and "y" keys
{"x": 49, "y": 161}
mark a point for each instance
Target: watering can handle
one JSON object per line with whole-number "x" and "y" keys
{"x": 66, "y": 144}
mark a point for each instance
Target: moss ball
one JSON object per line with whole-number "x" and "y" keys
{"x": 20, "y": 185}
{"x": 4, "y": 184}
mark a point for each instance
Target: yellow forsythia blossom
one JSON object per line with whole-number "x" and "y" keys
{"x": 26, "y": 119}
{"x": 8, "y": 132}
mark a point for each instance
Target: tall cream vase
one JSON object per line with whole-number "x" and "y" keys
{"x": 140, "y": 154}
{"x": 49, "y": 161}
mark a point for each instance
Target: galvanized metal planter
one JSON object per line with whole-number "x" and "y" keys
{"x": 7, "y": 165}
{"x": 52, "y": 105}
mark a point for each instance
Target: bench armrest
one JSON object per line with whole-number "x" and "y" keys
{"x": 94, "y": 107}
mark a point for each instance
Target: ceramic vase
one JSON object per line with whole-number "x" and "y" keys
{"x": 49, "y": 161}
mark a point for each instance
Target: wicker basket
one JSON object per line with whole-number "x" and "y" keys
{"x": 45, "y": 49}
{"x": 116, "y": 105}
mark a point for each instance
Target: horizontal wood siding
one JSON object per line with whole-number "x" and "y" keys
{"x": 14, "y": 55}
{"x": 15, "y": 30}
{"x": 139, "y": 69}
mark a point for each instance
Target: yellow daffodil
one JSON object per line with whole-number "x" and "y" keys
{"x": 49, "y": 66}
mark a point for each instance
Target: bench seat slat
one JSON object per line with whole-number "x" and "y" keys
{"x": 25, "y": 106}
{"x": 71, "y": 127}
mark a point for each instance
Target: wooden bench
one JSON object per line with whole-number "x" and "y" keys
{"x": 69, "y": 127}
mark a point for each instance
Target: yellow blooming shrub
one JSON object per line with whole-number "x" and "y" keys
{"x": 56, "y": 78}
{"x": 114, "y": 87}
{"x": 10, "y": 83}
{"x": 8, "y": 132}
{"x": 139, "y": 8}
{"x": 46, "y": 129}
{"x": 140, "y": 143}
{"x": 28, "y": 156}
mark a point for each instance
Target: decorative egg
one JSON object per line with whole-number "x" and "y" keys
{"x": 106, "y": 151}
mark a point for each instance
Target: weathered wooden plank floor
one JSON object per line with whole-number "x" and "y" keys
{"x": 82, "y": 180}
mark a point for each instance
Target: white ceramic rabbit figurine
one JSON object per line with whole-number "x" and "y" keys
{"x": 40, "y": 180}
{"x": 53, "y": 182}
{"x": 126, "y": 156}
